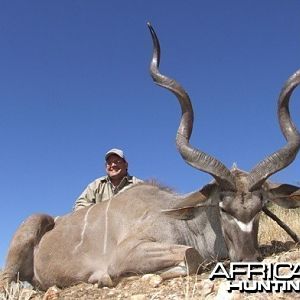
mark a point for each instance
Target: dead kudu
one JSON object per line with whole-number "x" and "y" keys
{"x": 147, "y": 228}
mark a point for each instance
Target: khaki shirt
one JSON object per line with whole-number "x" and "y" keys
{"x": 102, "y": 190}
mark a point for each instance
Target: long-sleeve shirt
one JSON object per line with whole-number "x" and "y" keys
{"x": 102, "y": 189}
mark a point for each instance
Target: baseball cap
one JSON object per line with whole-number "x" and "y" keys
{"x": 115, "y": 151}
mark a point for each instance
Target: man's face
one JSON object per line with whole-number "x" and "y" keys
{"x": 116, "y": 167}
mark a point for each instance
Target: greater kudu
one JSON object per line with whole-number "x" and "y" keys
{"x": 151, "y": 229}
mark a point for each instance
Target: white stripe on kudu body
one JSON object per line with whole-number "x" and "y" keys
{"x": 85, "y": 223}
{"x": 106, "y": 227}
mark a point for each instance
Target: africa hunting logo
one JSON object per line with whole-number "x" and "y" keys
{"x": 259, "y": 277}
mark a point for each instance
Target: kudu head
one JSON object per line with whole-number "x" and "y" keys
{"x": 241, "y": 196}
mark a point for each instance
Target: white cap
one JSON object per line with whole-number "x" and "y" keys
{"x": 115, "y": 151}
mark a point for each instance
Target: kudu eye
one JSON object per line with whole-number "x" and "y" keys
{"x": 261, "y": 197}
{"x": 222, "y": 197}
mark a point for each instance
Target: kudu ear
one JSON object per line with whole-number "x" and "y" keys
{"x": 186, "y": 206}
{"x": 285, "y": 195}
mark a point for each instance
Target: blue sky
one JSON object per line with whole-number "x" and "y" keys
{"x": 74, "y": 82}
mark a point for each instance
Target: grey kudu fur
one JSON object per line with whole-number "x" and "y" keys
{"x": 148, "y": 228}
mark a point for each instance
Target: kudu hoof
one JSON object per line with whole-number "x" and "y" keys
{"x": 101, "y": 279}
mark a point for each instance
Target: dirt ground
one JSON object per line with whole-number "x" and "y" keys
{"x": 151, "y": 286}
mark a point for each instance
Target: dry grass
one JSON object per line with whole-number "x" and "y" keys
{"x": 16, "y": 291}
{"x": 270, "y": 231}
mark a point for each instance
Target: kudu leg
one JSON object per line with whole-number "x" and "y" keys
{"x": 190, "y": 265}
{"x": 141, "y": 257}
{"x": 19, "y": 261}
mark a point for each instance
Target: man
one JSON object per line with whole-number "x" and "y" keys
{"x": 116, "y": 180}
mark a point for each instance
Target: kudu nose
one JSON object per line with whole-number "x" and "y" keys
{"x": 259, "y": 258}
